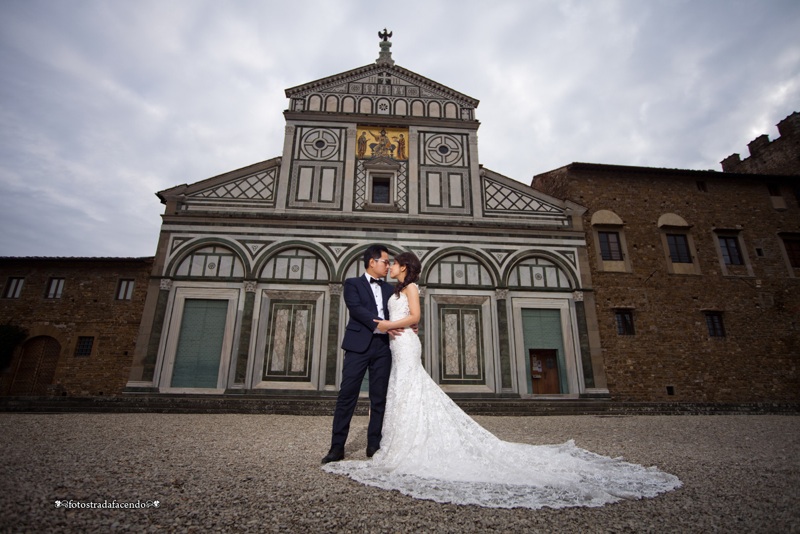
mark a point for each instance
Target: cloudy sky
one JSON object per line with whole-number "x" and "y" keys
{"x": 103, "y": 103}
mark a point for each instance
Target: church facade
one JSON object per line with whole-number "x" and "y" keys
{"x": 245, "y": 293}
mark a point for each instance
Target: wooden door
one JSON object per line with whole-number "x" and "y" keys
{"x": 544, "y": 371}
{"x": 36, "y": 367}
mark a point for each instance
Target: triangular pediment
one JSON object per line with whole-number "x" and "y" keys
{"x": 381, "y": 162}
{"x": 396, "y": 81}
{"x": 393, "y": 90}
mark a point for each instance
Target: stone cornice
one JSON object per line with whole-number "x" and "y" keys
{"x": 380, "y": 120}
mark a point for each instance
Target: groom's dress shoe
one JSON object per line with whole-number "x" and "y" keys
{"x": 334, "y": 455}
{"x": 371, "y": 451}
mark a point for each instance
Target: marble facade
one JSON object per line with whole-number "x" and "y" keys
{"x": 378, "y": 154}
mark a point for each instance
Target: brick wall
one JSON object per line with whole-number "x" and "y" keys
{"x": 88, "y": 307}
{"x": 759, "y": 356}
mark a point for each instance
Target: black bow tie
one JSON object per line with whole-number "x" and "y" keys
{"x": 374, "y": 281}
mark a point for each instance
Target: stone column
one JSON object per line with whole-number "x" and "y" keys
{"x": 501, "y": 296}
{"x": 243, "y": 354}
{"x": 149, "y": 368}
{"x": 583, "y": 339}
{"x": 335, "y": 291}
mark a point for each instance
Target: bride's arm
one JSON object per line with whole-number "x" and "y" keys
{"x": 411, "y": 291}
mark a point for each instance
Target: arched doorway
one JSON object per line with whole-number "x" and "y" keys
{"x": 34, "y": 369}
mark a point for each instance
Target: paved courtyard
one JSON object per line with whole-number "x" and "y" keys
{"x": 260, "y": 473}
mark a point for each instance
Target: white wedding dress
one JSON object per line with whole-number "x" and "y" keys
{"x": 432, "y": 450}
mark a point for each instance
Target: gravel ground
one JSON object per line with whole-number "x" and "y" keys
{"x": 242, "y": 473}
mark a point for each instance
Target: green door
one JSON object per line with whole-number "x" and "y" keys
{"x": 200, "y": 344}
{"x": 542, "y": 335}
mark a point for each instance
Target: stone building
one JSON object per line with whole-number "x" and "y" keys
{"x": 245, "y": 295}
{"x": 81, "y": 315}
{"x": 696, "y": 274}
{"x": 781, "y": 156}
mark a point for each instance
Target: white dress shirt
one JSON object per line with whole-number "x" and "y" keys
{"x": 378, "y": 292}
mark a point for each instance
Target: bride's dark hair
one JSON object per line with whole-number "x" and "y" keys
{"x": 413, "y": 267}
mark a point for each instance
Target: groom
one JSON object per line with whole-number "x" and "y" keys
{"x": 365, "y": 348}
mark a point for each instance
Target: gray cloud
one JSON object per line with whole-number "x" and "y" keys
{"x": 105, "y": 103}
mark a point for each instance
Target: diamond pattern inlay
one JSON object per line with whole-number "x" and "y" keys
{"x": 361, "y": 194}
{"x": 259, "y": 186}
{"x": 500, "y": 197}
{"x": 360, "y": 186}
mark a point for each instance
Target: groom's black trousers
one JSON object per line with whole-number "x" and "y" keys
{"x": 378, "y": 359}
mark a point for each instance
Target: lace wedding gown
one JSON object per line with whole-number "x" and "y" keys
{"x": 432, "y": 450}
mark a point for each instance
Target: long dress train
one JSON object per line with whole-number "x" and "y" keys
{"x": 432, "y": 450}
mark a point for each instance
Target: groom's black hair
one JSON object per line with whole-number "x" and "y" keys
{"x": 374, "y": 253}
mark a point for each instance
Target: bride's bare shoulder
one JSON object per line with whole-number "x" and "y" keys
{"x": 411, "y": 289}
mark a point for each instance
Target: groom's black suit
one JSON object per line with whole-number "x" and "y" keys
{"x": 364, "y": 349}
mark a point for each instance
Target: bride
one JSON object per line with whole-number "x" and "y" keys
{"x": 432, "y": 450}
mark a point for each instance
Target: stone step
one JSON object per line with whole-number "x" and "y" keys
{"x": 323, "y": 405}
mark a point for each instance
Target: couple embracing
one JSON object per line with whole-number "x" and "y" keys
{"x": 367, "y": 341}
{"x": 419, "y": 442}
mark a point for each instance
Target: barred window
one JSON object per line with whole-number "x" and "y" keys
{"x": 729, "y": 245}
{"x": 610, "y": 248}
{"x": 716, "y": 328}
{"x": 609, "y": 239}
{"x": 13, "y": 288}
{"x": 54, "y": 288}
{"x": 381, "y": 190}
{"x": 125, "y": 290}
{"x": 84, "y": 346}
{"x": 679, "y": 248}
{"x": 624, "y": 322}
